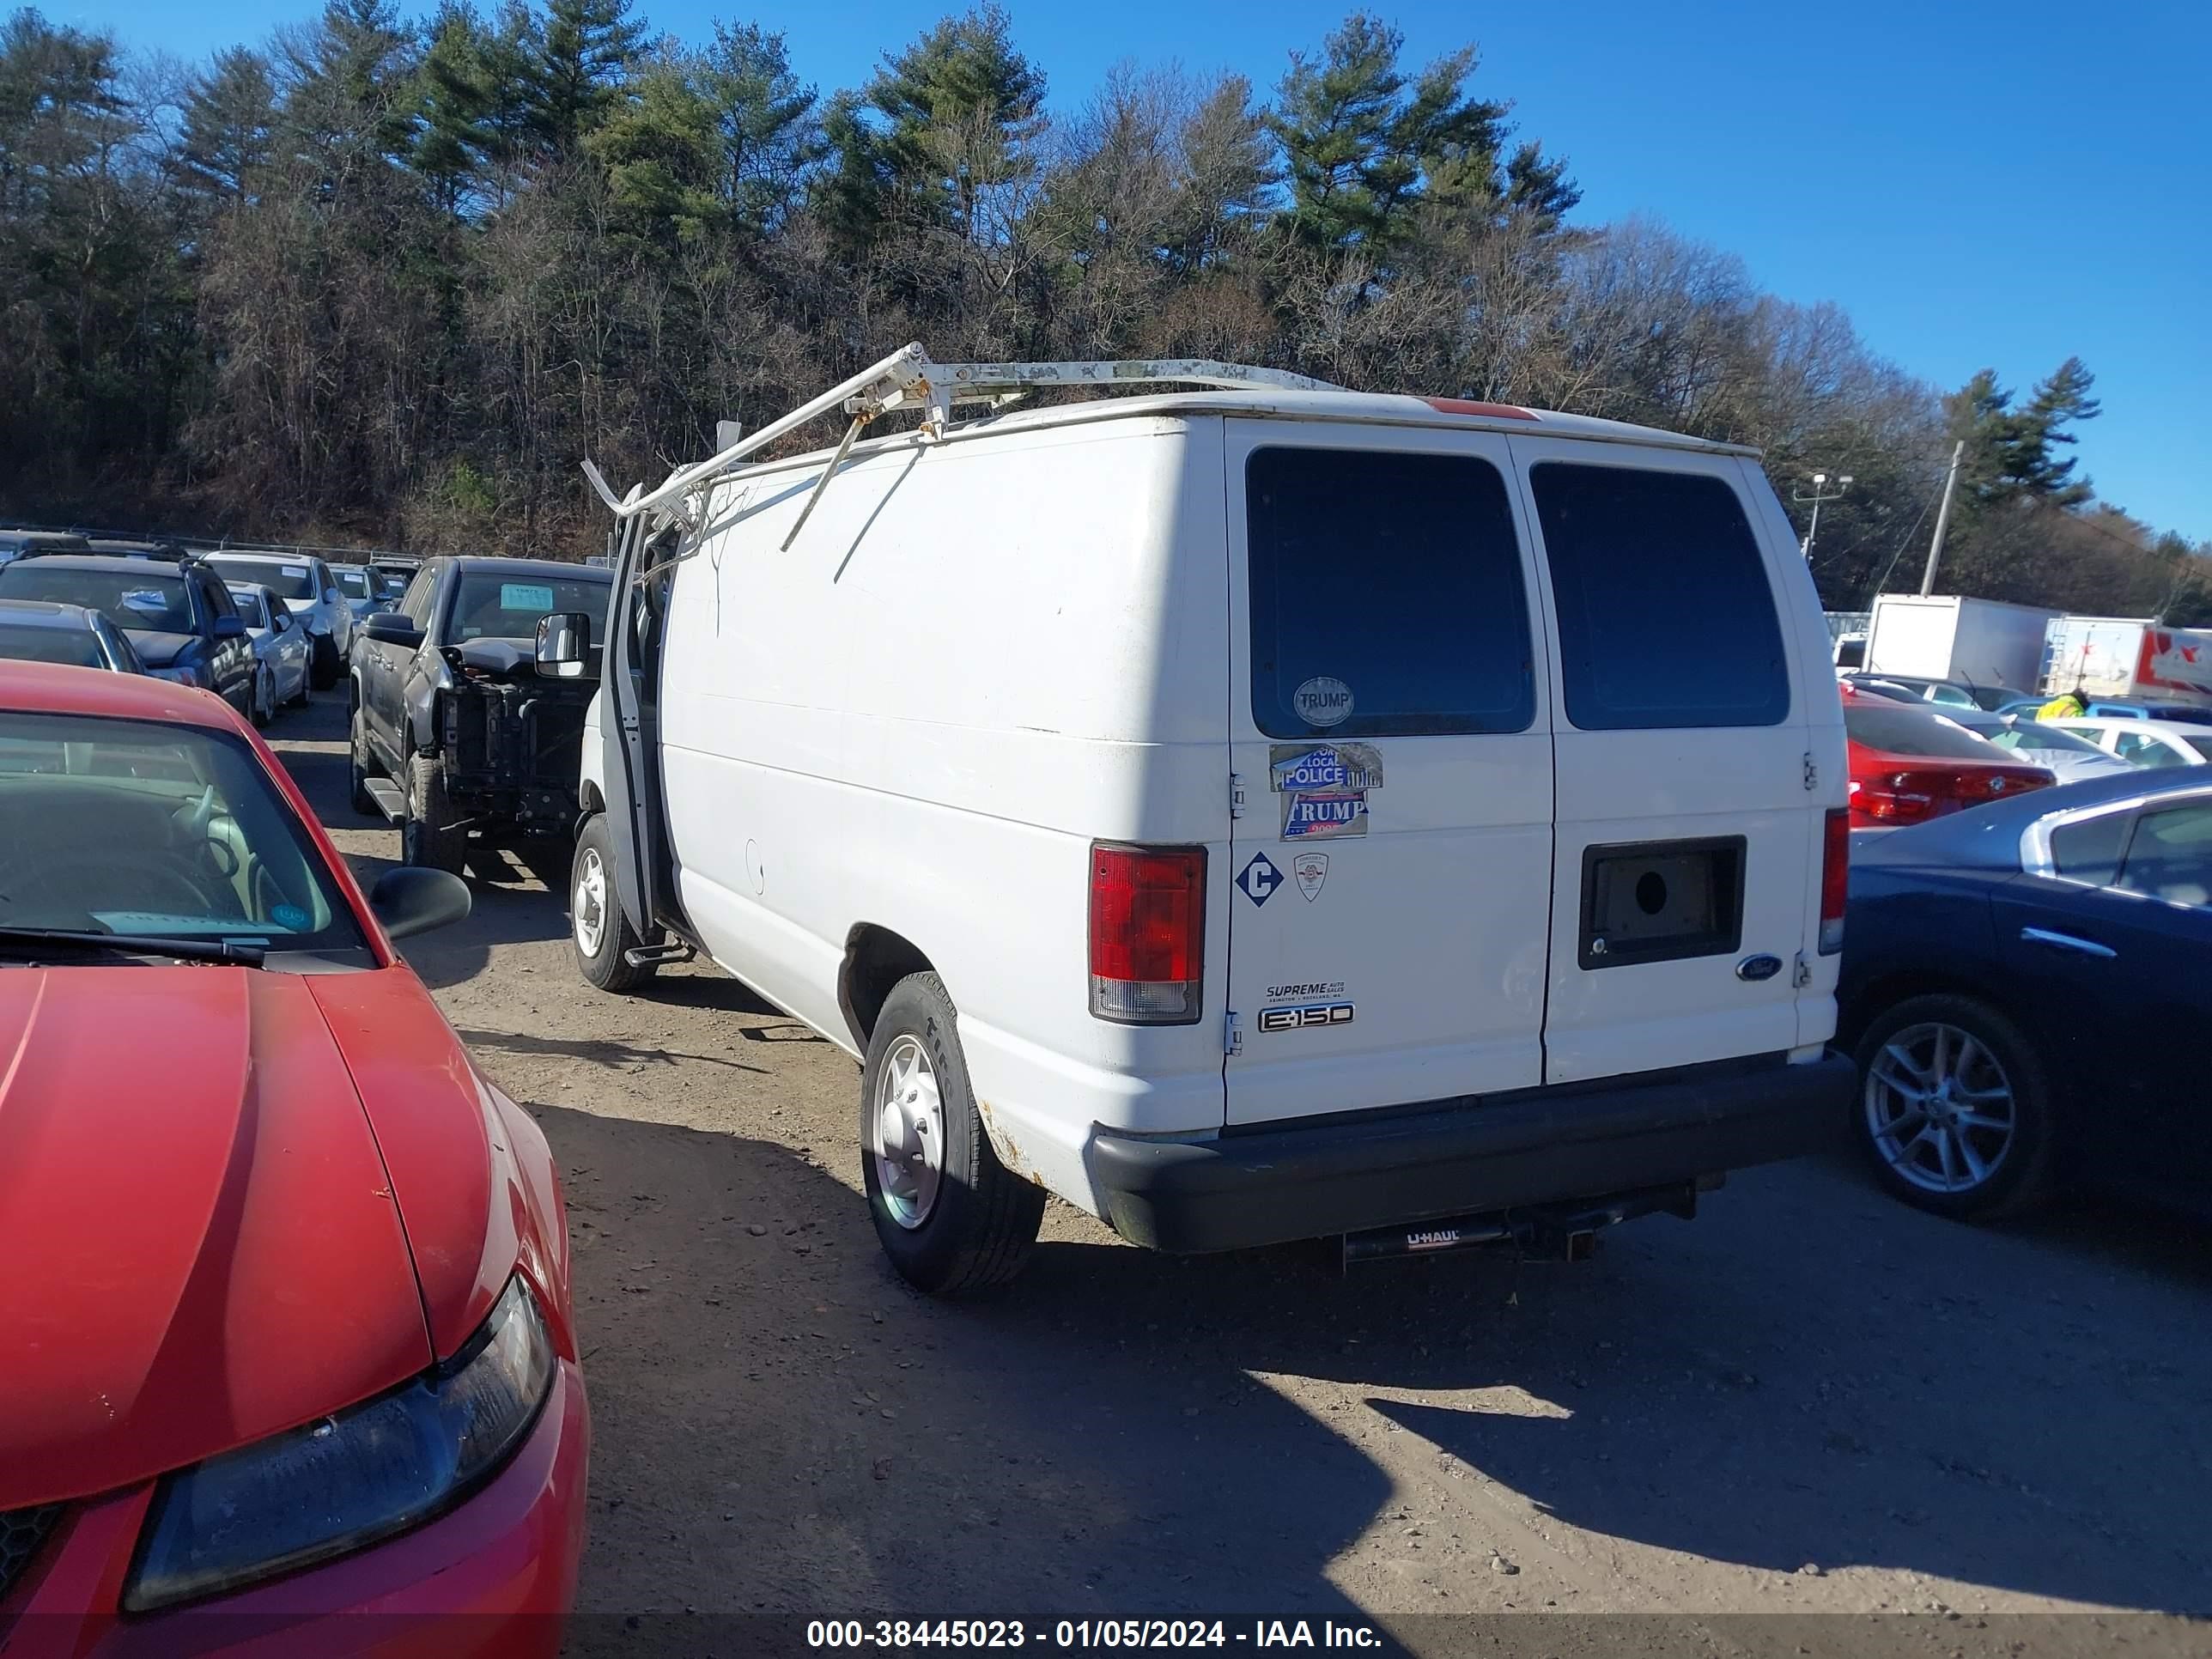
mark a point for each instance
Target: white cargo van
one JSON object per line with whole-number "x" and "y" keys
{"x": 1250, "y": 815}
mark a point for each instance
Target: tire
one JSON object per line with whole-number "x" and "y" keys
{"x": 1914, "y": 1157}
{"x": 323, "y": 664}
{"x": 360, "y": 768}
{"x": 972, "y": 1228}
{"x": 592, "y": 895}
{"x": 428, "y": 839}
{"x": 263, "y": 708}
{"x": 307, "y": 691}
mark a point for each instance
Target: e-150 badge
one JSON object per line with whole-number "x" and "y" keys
{"x": 1298, "y": 1017}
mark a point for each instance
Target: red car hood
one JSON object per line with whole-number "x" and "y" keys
{"x": 203, "y": 1244}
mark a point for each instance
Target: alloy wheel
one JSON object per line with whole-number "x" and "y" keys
{"x": 1939, "y": 1107}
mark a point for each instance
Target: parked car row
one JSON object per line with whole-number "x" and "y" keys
{"x": 261, "y": 629}
{"x": 1914, "y": 757}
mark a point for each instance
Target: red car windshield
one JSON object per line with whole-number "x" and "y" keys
{"x": 132, "y": 827}
{"x": 1897, "y": 729}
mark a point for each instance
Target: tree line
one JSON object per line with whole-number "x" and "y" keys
{"x": 379, "y": 281}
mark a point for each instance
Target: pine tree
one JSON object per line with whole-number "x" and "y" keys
{"x": 230, "y": 123}
{"x": 584, "y": 52}
{"x": 663, "y": 157}
{"x": 2010, "y": 450}
{"x": 2063, "y": 399}
{"x": 1364, "y": 143}
{"x": 349, "y": 87}
{"x": 771, "y": 138}
{"x": 451, "y": 139}
{"x": 950, "y": 119}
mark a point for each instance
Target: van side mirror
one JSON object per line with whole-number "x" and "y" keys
{"x": 564, "y": 645}
{"x": 407, "y": 901}
{"x": 392, "y": 627}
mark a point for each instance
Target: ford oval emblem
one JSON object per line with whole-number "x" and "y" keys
{"x": 1755, "y": 968}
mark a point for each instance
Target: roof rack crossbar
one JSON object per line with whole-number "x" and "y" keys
{"x": 908, "y": 378}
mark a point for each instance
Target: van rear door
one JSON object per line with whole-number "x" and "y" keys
{"x": 1690, "y": 800}
{"x": 1389, "y": 726}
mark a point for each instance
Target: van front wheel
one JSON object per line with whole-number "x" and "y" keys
{"x": 951, "y": 1217}
{"x": 598, "y": 931}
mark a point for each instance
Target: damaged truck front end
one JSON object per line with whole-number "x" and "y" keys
{"x": 509, "y": 739}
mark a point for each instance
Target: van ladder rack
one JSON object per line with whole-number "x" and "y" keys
{"x": 909, "y": 379}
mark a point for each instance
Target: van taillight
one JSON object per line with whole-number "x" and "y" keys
{"x": 1835, "y": 879}
{"x": 1147, "y": 933}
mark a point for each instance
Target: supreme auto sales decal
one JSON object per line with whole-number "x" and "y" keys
{"x": 1324, "y": 787}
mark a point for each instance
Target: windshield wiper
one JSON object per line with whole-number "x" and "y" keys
{"x": 181, "y": 949}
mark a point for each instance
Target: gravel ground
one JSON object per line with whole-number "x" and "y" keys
{"x": 1808, "y": 1402}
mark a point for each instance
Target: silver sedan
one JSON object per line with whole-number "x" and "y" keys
{"x": 283, "y": 657}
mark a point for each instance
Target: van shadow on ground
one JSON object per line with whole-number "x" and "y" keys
{"x": 781, "y": 1430}
{"x": 1805, "y": 1375}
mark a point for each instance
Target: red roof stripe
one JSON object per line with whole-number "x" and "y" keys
{"x": 1493, "y": 411}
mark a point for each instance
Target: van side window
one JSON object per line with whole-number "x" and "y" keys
{"x": 1666, "y": 614}
{"x": 1394, "y": 577}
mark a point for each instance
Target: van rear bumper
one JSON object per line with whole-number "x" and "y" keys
{"x": 1275, "y": 1185}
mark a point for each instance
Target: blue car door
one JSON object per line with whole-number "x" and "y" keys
{"x": 2111, "y": 941}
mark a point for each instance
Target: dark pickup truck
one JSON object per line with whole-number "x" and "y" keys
{"x": 456, "y": 736}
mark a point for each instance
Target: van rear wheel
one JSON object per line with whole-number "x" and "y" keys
{"x": 599, "y": 933}
{"x": 952, "y": 1218}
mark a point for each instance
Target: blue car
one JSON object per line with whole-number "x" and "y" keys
{"x": 2025, "y": 992}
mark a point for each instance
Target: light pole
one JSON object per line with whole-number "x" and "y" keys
{"x": 1821, "y": 492}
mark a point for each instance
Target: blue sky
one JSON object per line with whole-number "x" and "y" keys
{"x": 1978, "y": 184}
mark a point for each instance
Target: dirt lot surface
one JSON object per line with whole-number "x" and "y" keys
{"x": 1810, "y": 1401}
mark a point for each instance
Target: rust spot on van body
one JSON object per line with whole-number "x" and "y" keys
{"x": 1008, "y": 1152}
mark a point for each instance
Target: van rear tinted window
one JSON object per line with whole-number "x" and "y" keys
{"x": 1666, "y": 615}
{"x": 1387, "y": 596}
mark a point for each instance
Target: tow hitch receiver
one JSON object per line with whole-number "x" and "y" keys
{"x": 1554, "y": 1232}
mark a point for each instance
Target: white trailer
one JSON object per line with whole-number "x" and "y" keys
{"x": 2128, "y": 657}
{"x": 1973, "y": 641}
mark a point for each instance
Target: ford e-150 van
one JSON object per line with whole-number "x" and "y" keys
{"x": 1250, "y": 814}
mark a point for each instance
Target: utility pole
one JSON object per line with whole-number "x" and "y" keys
{"x": 1820, "y": 494}
{"x": 1942, "y": 518}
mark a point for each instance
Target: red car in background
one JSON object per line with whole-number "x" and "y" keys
{"x": 285, "y": 1326}
{"x": 1909, "y": 764}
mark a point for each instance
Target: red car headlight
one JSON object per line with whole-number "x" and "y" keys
{"x": 350, "y": 1480}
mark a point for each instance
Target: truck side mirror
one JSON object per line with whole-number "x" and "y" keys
{"x": 230, "y": 627}
{"x": 564, "y": 645}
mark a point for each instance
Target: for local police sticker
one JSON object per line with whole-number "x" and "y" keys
{"x": 1323, "y": 702}
{"x": 1323, "y": 766}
